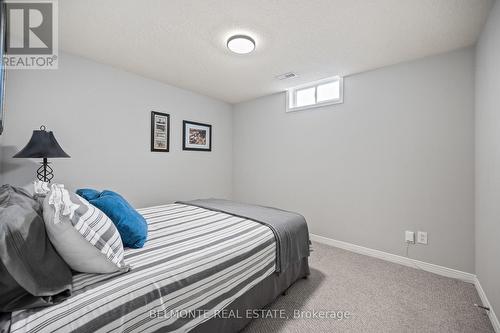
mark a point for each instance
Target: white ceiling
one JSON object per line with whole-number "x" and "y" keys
{"x": 182, "y": 42}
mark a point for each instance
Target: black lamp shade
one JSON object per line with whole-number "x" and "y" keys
{"x": 42, "y": 144}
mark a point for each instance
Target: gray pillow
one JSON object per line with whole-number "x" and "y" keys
{"x": 31, "y": 272}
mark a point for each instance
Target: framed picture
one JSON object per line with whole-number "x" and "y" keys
{"x": 196, "y": 136}
{"x": 160, "y": 131}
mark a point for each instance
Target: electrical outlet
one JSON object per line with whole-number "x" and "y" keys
{"x": 422, "y": 237}
{"x": 409, "y": 236}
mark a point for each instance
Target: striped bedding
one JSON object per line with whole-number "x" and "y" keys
{"x": 195, "y": 262}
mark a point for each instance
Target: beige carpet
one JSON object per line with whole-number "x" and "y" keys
{"x": 381, "y": 297}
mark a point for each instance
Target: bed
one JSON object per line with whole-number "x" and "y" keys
{"x": 203, "y": 266}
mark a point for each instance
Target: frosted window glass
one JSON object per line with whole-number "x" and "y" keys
{"x": 306, "y": 97}
{"x": 328, "y": 91}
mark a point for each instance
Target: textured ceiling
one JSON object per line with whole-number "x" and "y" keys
{"x": 182, "y": 42}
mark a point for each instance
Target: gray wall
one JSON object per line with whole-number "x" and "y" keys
{"x": 488, "y": 159}
{"x": 397, "y": 155}
{"x": 101, "y": 117}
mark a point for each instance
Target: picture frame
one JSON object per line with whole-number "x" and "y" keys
{"x": 196, "y": 136}
{"x": 160, "y": 132}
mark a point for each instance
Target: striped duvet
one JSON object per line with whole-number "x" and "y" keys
{"x": 195, "y": 262}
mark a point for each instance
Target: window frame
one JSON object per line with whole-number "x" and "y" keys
{"x": 291, "y": 94}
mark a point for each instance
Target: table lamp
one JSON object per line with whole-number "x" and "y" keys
{"x": 43, "y": 145}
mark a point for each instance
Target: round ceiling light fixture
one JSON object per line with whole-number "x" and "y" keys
{"x": 241, "y": 44}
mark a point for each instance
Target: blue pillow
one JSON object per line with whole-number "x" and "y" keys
{"x": 131, "y": 225}
{"x": 88, "y": 193}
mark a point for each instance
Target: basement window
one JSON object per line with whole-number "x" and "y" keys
{"x": 315, "y": 94}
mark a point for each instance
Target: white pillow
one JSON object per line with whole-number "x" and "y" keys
{"x": 82, "y": 234}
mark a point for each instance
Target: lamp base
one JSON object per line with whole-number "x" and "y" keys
{"x": 45, "y": 173}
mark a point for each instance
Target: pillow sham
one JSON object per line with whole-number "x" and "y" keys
{"x": 32, "y": 274}
{"x": 82, "y": 234}
{"x": 132, "y": 226}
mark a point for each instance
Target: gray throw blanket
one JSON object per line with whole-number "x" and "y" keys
{"x": 32, "y": 274}
{"x": 290, "y": 229}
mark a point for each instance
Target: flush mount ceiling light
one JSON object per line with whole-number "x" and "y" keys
{"x": 241, "y": 44}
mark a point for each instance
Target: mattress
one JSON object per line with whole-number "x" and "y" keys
{"x": 195, "y": 263}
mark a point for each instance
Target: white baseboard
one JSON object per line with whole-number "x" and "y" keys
{"x": 436, "y": 269}
{"x": 484, "y": 300}
{"x": 441, "y": 270}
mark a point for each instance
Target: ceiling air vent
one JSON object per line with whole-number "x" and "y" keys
{"x": 286, "y": 76}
